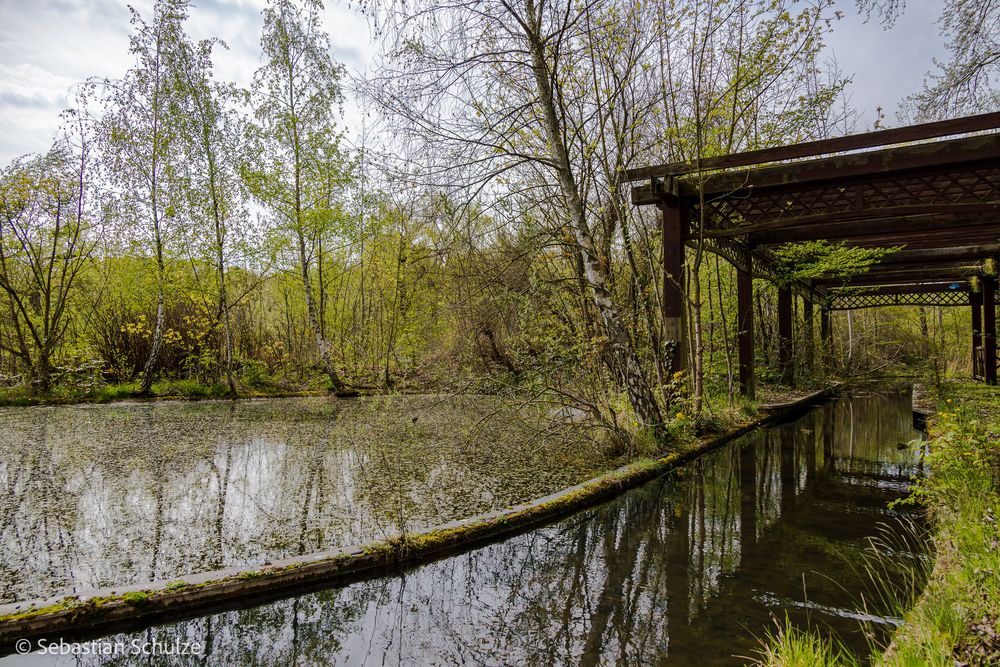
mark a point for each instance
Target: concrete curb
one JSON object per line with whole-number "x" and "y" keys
{"x": 132, "y": 607}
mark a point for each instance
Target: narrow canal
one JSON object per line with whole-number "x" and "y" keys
{"x": 693, "y": 568}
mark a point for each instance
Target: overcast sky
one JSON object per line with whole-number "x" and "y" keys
{"x": 46, "y": 46}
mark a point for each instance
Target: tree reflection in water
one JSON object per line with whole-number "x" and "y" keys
{"x": 108, "y": 495}
{"x": 688, "y": 569}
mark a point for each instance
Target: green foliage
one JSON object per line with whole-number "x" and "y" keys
{"x": 956, "y": 619}
{"x": 114, "y": 392}
{"x": 253, "y": 373}
{"x": 966, "y": 454}
{"x": 46, "y": 238}
{"x": 807, "y": 260}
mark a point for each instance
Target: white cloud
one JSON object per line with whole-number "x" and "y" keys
{"x": 48, "y": 46}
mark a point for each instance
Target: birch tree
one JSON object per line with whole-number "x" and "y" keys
{"x": 211, "y": 138}
{"x": 487, "y": 84}
{"x": 738, "y": 75}
{"x": 297, "y": 97}
{"x": 138, "y": 137}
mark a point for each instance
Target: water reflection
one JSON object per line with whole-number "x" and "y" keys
{"x": 684, "y": 570}
{"x": 127, "y": 493}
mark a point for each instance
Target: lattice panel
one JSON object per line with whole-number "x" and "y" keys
{"x": 736, "y": 210}
{"x": 857, "y": 301}
{"x": 967, "y": 186}
{"x": 761, "y": 267}
{"x": 970, "y": 186}
{"x": 734, "y": 252}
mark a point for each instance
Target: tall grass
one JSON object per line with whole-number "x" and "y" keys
{"x": 963, "y": 496}
{"x": 788, "y": 646}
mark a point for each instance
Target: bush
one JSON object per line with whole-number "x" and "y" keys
{"x": 253, "y": 373}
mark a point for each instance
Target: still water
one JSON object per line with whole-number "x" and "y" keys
{"x": 689, "y": 569}
{"x": 108, "y": 495}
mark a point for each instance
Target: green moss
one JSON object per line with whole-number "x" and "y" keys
{"x": 136, "y": 598}
{"x": 176, "y": 585}
{"x": 31, "y": 612}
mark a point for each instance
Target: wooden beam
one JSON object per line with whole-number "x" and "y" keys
{"x": 928, "y": 299}
{"x": 888, "y": 277}
{"x": 913, "y": 288}
{"x": 931, "y": 256}
{"x": 865, "y": 217}
{"x": 744, "y": 335}
{"x": 928, "y": 240}
{"x": 989, "y": 329}
{"x": 900, "y": 135}
{"x": 673, "y": 232}
{"x": 928, "y": 264}
{"x": 953, "y": 228}
{"x": 874, "y": 166}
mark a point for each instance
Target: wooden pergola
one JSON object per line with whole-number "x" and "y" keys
{"x": 933, "y": 189}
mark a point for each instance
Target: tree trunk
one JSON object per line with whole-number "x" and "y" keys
{"x": 43, "y": 372}
{"x": 220, "y": 238}
{"x": 850, "y": 335}
{"x": 321, "y": 342}
{"x": 628, "y": 369}
{"x": 154, "y": 353}
{"x": 698, "y": 394}
{"x": 227, "y": 328}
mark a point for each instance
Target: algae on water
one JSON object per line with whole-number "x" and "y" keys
{"x": 117, "y": 494}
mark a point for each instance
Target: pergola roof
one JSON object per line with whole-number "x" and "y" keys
{"x": 937, "y": 197}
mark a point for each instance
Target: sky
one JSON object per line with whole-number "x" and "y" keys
{"x": 47, "y": 46}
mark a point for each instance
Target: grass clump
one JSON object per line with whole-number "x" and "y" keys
{"x": 189, "y": 389}
{"x": 789, "y": 646}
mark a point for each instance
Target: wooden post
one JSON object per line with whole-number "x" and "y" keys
{"x": 785, "y": 369}
{"x": 744, "y": 335}
{"x": 673, "y": 231}
{"x": 807, "y": 333}
{"x": 976, "y": 301}
{"x": 826, "y": 337}
{"x": 990, "y": 329}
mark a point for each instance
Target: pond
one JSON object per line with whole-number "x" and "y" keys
{"x": 692, "y": 568}
{"x": 108, "y": 495}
